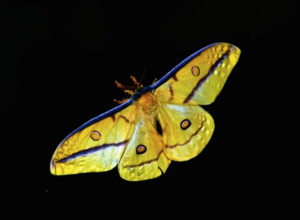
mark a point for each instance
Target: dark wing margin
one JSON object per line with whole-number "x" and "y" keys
{"x": 178, "y": 67}
{"x": 100, "y": 117}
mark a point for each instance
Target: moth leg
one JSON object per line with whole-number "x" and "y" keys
{"x": 129, "y": 92}
{"x": 154, "y": 81}
{"x": 120, "y": 102}
{"x": 139, "y": 85}
{"x": 119, "y": 84}
{"x": 134, "y": 80}
{"x": 124, "y": 87}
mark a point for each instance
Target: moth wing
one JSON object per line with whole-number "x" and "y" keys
{"x": 96, "y": 146}
{"x": 186, "y": 130}
{"x": 151, "y": 160}
{"x": 200, "y": 77}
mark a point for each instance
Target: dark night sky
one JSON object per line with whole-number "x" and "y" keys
{"x": 61, "y": 61}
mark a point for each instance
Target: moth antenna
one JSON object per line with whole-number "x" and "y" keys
{"x": 154, "y": 81}
{"x": 143, "y": 76}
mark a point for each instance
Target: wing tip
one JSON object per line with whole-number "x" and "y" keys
{"x": 52, "y": 168}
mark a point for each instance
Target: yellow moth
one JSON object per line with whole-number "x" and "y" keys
{"x": 128, "y": 135}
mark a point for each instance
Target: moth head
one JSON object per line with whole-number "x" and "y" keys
{"x": 133, "y": 89}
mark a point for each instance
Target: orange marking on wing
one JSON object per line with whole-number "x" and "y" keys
{"x": 172, "y": 93}
{"x": 126, "y": 119}
{"x": 113, "y": 117}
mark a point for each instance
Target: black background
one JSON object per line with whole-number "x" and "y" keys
{"x": 61, "y": 61}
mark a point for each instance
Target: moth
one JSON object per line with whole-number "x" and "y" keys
{"x": 128, "y": 135}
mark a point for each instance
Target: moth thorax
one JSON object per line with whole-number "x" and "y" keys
{"x": 148, "y": 102}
